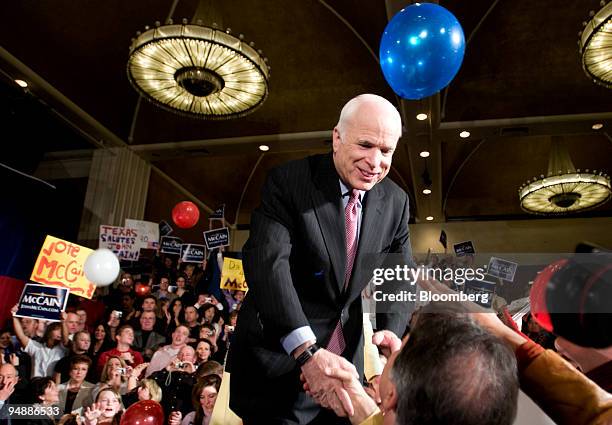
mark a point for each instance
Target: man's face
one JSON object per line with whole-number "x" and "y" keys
{"x": 72, "y": 322}
{"x": 127, "y": 303}
{"x": 180, "y": 335}
{"x": 126, "y": 336}
{"x": 29, "y": 326}
{"x": 363, "y": 152}
{"x": 8, "y": 374}
{"x": 386, "y": 385}
{"x": 191, "y": 314}
{"x": 186, "y": 354}
{"x": 82, "y": 342}
{"x": 147, "y": 321}
{"x": 163, "y": 284}
{"x": 148, "y": 304}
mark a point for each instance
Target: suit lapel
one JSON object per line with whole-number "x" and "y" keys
{"x": 327, "y": 203}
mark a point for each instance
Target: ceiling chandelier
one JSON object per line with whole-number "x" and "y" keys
{"x": 198, "y": 71}
{"x": 596, "y": 46}
{"x": 564, "y": 189}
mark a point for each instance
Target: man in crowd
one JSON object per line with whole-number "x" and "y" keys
{"x": 72, "y": 324}
{"x": 80, "y": 345}
{"x": 317, "y": 218}
{"x": 125, "y": 339}
{"x": 192, "y": 317}
{"x": 164, "y": 355}
{"x": 469, "y": 375}
{"x": 146, "y": 339}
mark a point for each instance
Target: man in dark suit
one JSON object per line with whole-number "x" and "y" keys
{"x": 319, "y": 222}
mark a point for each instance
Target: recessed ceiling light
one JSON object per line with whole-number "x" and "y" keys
{"x": 426, "y": 191}
{"x": 464, "y": 134}
{"x": 429, "y": 218}
{"x": 424, "y": 154}
{"x": 421, "y": 117}
{"x": 264, "y": 148}
{"x": 21, "y": 83}
{"x": 597, "y": 126}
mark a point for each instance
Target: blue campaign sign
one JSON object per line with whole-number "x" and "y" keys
{"x": 484, "y": 289}
{"x": 464, "y": 248}
{"x": 171, "y": 245}
{"x": 42, "y": 302}
{"x": 216, "y": 238}
{"x": 192, "y": 253}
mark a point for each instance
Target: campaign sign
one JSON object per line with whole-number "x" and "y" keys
{"x": 60, "y": 263}
{"x": 123, "y": 241}
{"x": 42, "y": 302}
{"x": 483, "y": 287}
{"x": 164, "y": 228}
{"x": 148, "y": 232}
{"x": 464, "y": 248}
{"x": 171, "y": 245}
{"x": 216, "y": 238}
{"x": 219, "y": 213}
{"x": 502, "y": 268}
{"x": 232, "y": 275}
{"x": 192, "y": 253}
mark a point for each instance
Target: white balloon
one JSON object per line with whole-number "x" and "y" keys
{"x": 102, "y": 267}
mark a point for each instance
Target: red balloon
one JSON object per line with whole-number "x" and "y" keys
{"x": 146, "y": 412}
{"x": 185, "y": 214}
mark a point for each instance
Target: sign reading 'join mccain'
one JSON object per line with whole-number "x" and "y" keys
{"x": 42, "y": 302}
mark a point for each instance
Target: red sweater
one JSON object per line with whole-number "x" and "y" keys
{"x": 115, "y": 352}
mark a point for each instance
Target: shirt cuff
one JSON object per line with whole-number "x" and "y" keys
{"x": 296, "y": 338}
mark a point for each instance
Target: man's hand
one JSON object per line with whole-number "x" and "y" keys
{"x": 363, "y": 404}
{"x": 326, "y": 391}
{"x": 6, "y": 390}
{"x": 387, "y": 342}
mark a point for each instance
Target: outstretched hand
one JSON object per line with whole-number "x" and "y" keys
{"x": 328, "y": 391}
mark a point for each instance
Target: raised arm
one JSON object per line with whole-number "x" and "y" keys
{"x": 23, "y": 338}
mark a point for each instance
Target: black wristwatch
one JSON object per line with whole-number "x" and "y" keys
{"x": 307, "y": 354}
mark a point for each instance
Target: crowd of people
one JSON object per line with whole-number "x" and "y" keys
{"x": 162, "y": 334}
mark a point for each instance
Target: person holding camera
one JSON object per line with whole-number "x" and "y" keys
{"x": 177, "y": 380}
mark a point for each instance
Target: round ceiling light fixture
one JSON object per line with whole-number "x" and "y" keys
{"x": 595, "y": 45}
{"x": 198, "y": 71}
{"x": 564, "y": 189}
{"x": 421, "y": 117}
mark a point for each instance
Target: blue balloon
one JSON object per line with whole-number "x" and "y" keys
{"x": 421, "y": 50}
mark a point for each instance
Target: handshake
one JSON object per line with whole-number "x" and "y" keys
{"x": 334, "y": 383}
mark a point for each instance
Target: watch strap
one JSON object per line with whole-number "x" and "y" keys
{"x": 307, "y": 354}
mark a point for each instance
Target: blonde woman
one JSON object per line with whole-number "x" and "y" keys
{"x": 114, "y": 376}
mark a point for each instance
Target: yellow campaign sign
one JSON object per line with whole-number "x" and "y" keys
{"x": 232, "y": 275}
{"x": 60, "y": 263}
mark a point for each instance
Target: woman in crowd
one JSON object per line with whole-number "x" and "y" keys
{"x": 174, "y": 315}
{"x": 204, "y": 350}
{"x": 44, "y": 397}
{"x": 183, "y": 292}
{"x": 76, "y": 393}
{"x": 204, "y": 396}
{"x": 114, "y": 376}
{"x": 106, "y": 410}
{"x": 147, "y": 389}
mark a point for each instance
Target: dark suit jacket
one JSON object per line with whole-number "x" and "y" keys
{"x": 294, "y": 263}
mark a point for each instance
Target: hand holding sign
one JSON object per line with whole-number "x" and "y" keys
{"x": 102, "y": 267}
